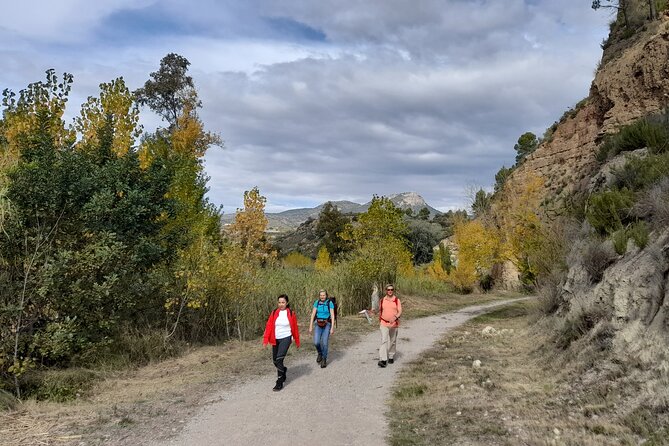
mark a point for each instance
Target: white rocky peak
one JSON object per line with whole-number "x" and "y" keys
{"x": 409, "y": 199}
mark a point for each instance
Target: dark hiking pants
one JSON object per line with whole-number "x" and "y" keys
{"x": 278, "y": 353}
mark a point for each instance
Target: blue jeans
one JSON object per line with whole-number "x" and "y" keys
{"x": 321, "y": 338}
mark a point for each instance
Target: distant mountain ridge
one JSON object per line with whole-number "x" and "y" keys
{"x": 292, "y": 218}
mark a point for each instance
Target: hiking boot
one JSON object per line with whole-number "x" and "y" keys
{"x": 278, "y": 386}
{"x": 390, "y": 360}
{"x": 382, "y": 364}
{"x": 324, "y": 363}
{"x": 319, "y": 358}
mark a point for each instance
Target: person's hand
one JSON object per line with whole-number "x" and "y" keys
{"x": 331, "y": 330}
{"x": 310, "y": 328}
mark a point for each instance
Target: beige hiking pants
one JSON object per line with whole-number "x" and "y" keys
{"x": 388, "y": 342}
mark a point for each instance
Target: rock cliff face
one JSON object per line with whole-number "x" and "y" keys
{"x": 629, "y": 84}
{"x": 611, "y": 307}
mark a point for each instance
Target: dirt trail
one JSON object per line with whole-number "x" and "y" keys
{"x": 342, "y": 404}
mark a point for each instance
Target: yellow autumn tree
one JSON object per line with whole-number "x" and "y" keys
{"x": 435, "y": 269}
{"x": 115, "y": 104}
{"x": 323, "y": 261}
{"x": 216, "y": 282}
{"x": 297, "y": 260}
{"x": 518, "y": 216}
{"x": 250, "y": 225}
{"x": 40, "y": 104}
{"x": 477, "y": 251}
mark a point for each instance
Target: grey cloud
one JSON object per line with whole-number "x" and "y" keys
{"x": 427, "y": 96}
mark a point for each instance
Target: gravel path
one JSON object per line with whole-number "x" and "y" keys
{"x": 342, "y": 404}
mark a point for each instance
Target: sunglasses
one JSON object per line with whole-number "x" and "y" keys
{"x": 390, "y": 289}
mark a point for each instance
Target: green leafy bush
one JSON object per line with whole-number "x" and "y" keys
{"x": 651, "y": 132}
{"x": 609, "y": 210}
{"x": 7, "y": 400}
{"x": 486, "y": 283}
{"x": 640, "y": 172}
{"x": 639, "y": 233}
{"x": 58, "y": 385}
{"x": 619, "y": 239}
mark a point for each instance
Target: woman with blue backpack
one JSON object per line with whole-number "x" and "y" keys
{"x": 324, "y": 315}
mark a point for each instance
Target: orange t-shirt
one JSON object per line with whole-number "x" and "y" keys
{"x": 389, "y": 310}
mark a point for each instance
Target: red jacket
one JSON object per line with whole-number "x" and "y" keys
{"x": 270, "y": 338}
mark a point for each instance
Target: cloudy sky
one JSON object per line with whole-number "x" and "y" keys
{"x": 331, "y": 99}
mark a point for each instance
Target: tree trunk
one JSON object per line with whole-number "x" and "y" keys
{"x": 227, "y": 325}
{"x": 239, "y": 326}
{"x": 623, "y": 8}
{"x": 653, "y": 9}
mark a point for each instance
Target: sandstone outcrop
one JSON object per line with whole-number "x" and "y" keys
{"x": 629, "y": 85}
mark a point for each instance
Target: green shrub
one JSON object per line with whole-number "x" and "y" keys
{"x": 619, "y": 239}
{"x": 640, "y": 172}
{"x": 58, "y": 385}
{"x": 662, "y": 5}
{"x": 411, "y": 391}
{"x": 651, "y": 132}
{"x": 639, "y": 233}
{"x": 486, "y": 283}
{"x": 7, "y": 400}
{"x": 136, "y": 347}
{"x": 609, "y": 210}
{"x": 647, "y": 421}
{"x": 421, "y": 284}
{"x": 604, "y": 149}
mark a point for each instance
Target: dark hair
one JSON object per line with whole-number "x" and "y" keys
{"x": 285, "y": 297}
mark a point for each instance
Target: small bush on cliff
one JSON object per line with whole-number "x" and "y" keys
{"x": 597, "y": 256}
{"x": 653, "y": 204}
{"x": 640, "y": 172}
{"x": 651, "y": 132}
{"x": 579, "y": 323}
{"x": 550, "y": 292}
{"x": 609, "y": 210}
{"x": 637, "y": 232}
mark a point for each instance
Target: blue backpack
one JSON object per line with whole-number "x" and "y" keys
{"x": 334, "y": 304}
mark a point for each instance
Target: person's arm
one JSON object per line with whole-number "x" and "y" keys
{"x": 332, "y": 318}
{"x": 268, "y": 328}
{"x": 311, "y": 319}
{"x": 295, "y": 330}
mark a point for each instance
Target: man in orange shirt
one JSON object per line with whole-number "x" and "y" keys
{"x": 390, "y": 310}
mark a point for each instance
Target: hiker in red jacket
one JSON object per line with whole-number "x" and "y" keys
{"x": 280, "y": 329}
{"x": 390, "y": 310}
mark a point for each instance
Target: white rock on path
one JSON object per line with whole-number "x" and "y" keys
{"x": 489, "y": 331}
